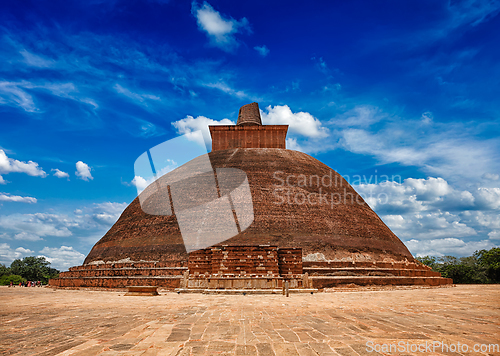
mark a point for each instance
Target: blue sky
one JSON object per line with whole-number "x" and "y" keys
{"x": 398, "y": 88}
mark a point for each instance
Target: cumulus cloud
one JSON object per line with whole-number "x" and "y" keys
{"x": 17, "y": 198}
{"x": 494, "y": 235}
{"x": 301, "y": 123}
{"x": 40, "y": 224}
{"x": 10, "y": 165}
{"x": 60, "y": 174}
{"x": 441, "y": 218}
{"x": 83, "y": 171}
{"x": 221, "y": 31}
{"x": 93, "y": 220}
{"x": 8, "y": 254}
{"x": 63, "y": 257}
{"x": 190, "y": 125}
{"x": 26, "y": 236}
{"x": 292, "y": 144}
{"x": 447, "y": 246}
{"x": 262, "y": 50}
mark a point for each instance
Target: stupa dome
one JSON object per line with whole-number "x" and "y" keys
{"x": 297, "y": 201}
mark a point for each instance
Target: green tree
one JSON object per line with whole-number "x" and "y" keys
{"x": 33, "y": 269}
{"x": 4, "y": 270}
{"x": 489, "y": 261}
{"x": 428, "y": 261}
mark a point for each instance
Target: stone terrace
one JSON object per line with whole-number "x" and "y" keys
{"x": 45, "y": 321}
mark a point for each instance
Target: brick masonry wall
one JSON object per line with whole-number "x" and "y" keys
{"x": 245, "y": 261}
{"x": 268, "y": 136}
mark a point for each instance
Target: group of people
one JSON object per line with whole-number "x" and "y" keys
{"x": 28, "y": 284}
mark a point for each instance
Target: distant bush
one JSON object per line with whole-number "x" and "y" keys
{"x": 482, "y": 267}
{"x": 15, "y": 279}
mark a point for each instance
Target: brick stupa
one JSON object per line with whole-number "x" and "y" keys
{"x": 310, "y": 244}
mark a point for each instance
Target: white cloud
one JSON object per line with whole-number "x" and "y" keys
{"x": 9, "y": 165}
{"x": 224, "y": 87}
{"x": 83, "y": 171}
{"x": 2, "y": 181}
{"x": 12, "y": 94}
{"x": 262, "y": 50}
{"x": 26, "y": 236}
{"x": 94, "y": 220}
{"x": 7, "y": 254}
{"x": 15, "y": 94}
{"x": 107, "y": 213}
{"x": 63, "y": 257}
{"x": 291, "y": 144}
{"x": 40, "y": 224}
{"x": 359, "y": 116}
{"x": 34, "y": 60}
{"x": 301, "y": 123}
{"x": 140, "y": 98}
{"x": 190, "y": 125}
{"x": 427, "y": 117}
{"x": 491, "y": 176}
{"x": 494, "y": 235}
{"x": 448, "y": 246}
{"x": 488, "y": 198}
{"x": 141, "y": 183}
{"x": 455, "y": 221}
{"x": 436, "y": 153}
{"x": 221, "y": 31}
{"x": 60, "y": 174}
{"x": 17, "y": 198}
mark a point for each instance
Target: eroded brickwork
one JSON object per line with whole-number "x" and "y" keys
{"x": 263, "y": 260}
{"x": 268, "y": 136}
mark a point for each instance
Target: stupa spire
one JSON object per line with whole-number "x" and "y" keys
{"x": 249, "y": 115}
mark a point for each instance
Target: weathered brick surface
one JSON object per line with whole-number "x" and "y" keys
{"x": 249, "y": 115}
{"x": 264, "y": 260}
{"x": 229, "y": 136}
{"x": 116, "y": 282}
{"x": 321, "y": 282}
{"x": 338, "y": 232}
{"x": 290, "y": 261}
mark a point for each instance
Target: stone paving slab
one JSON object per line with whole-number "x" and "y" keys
{"x": 45, "y": 321}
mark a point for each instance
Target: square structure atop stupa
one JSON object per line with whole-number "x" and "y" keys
{"x": 248, "y": 132}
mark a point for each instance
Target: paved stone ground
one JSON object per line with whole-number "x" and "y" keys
{"x": 43, "y": 321}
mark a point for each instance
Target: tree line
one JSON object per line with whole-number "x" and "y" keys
{"x": 27, "y": 269}
{"x": 482, "y": 267}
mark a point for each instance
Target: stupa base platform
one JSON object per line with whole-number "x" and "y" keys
{"x": 245, "y": 291}
{"x": 312, "y": 275}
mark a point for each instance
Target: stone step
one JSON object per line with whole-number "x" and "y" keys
{"x": 366, "y": 264}
{"x": 372, "y": 271}
{"x": 321, "y": 282}
{"x": 246, "y": 291}
{"x": 170, "y": 282}
{"x": 125, "y": 272}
